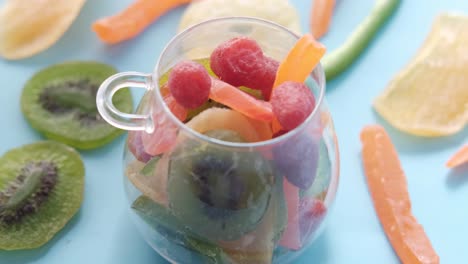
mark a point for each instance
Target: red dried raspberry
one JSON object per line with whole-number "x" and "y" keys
{"x": 292, "y": 103}
{"x": 189, "y": 84}
{"x": 237, "y": 61}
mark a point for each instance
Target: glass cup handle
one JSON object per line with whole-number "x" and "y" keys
{"x": 111, "y": 114}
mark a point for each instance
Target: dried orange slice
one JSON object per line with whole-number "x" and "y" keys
{"x": 29, "y": 27}
{"x": 430, "y": 96}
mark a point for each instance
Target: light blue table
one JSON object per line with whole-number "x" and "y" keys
{"x": 102, "y": 233}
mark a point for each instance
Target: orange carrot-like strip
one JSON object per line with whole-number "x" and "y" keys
{"x": 388, "y": 188}
{"x": 240, "y": 101}
{"x": 320, "y": 17}
{"x": 300, "y": 61}
{"x": 133, "y": 20}
{"x": 459, "y": 158}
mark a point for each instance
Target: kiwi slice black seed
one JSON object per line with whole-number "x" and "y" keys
{"x": 41, "y": 188}
{"x": 60, "y": 102}
{"x": 219, "y": 194}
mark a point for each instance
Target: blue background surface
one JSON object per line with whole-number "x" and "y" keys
{"x": 102, "y": 232}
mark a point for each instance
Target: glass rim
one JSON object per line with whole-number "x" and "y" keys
{"x": 182, "y": 126}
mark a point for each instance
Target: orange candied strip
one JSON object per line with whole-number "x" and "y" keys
{"x": 299, "y": 63}
{"x": 459, "y": 158}
{"x": 321, "y": 16}
{"x": 133, "y": 20}
{"x": 388, "y": 188}
{"x": 244, "y": 103}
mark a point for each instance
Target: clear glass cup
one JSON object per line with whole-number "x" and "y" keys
{"x": 200, "y": 199}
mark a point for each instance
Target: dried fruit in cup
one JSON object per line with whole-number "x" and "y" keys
{"x": 240, "y": 62}
{"x": 429, "y": 96}
{"x": 135, "y": 146}
{"x": 60, "y": 102}
{"x": 292, "y": 103}
{"x": 41, "y": 188}
{"x": 164, "y": 135}
{"x": 161, "y": 219}
{"x": 312, "y": 214}
{"x": 301, "y": 174}
{"x": 30, "y": 27}
{"x": 240, "y": 101}
{"x": 226, "y": 119}
{"x": 218, "y": 194}
{"x": 189, "y": 84}
{"x": 301, "y": 60}
{"x": 291, "y": 238}
{"x": 257, "y": 246}
{"x": 150, "y": 178}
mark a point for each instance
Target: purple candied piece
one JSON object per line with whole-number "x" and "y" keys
{"x": 297, "y": 160}
{"x": 135, "y": 145}
{"x": 312, "y": 212}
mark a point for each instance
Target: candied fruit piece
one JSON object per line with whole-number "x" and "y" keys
{"x": 292, "y": 103}
{"x": 135, "y": 145}
{"x": 312, "y": 213}
{"x": 189, "y": 84}
{"x": 237, "y": 61}
{"x": 267, "y": 79}
{"x": 297, "y": 159}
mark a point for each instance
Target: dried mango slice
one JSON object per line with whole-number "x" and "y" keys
{"x": 29, "y": 27}
{"x": 430, "y": 96}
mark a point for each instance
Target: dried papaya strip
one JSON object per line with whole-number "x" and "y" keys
{"x": 388, "y": 188}
{"x": 320, "y": 17}
{"x": 240, "y": 101}
{"x": 133, "y": 20}
{"x": 459, "y": 158}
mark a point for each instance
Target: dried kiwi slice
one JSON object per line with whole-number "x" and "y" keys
{"x": 41, "y": 188}
{"x": 219, "y": 194}
{"x": 60, "y": 102}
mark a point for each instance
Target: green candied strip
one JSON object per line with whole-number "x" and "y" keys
{"x": 340, "y": 59}
{"x": 150, "y": 166}
{"x": 156, "y": 215}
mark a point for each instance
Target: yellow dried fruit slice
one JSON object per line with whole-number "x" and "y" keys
{"x": 429, "y": 97}
{"x": 29, "y": 27}
{"x": 279, "y": 11}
